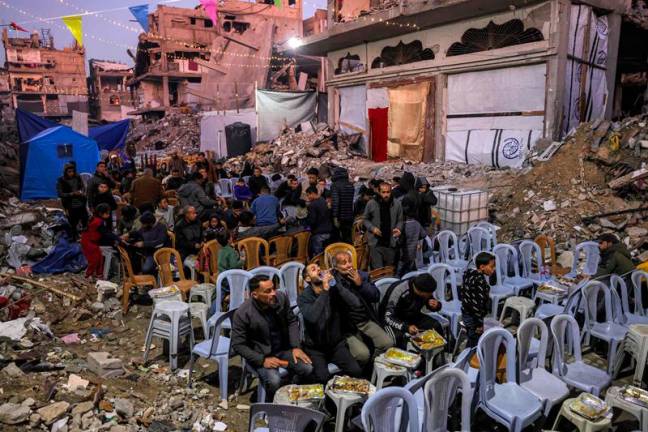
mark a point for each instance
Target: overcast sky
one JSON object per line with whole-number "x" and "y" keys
{"x": 111, "y": 40}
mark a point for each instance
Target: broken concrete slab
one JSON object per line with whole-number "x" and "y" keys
{"x": 11, "y": 413}
{"x": 53, "y": 412}
{"x": 105, "y": 365}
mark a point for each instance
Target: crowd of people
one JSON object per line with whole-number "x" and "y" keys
{"x": 345, "y": 321}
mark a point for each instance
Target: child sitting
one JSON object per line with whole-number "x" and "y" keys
{"x": 228, "y": 257}
{"x": 104, "y": 196}
{"x": 214, "y": 226}
{"x": 98, "y": 234}
{"x": 164, "y": 213}
{"x": 242, "y": 191}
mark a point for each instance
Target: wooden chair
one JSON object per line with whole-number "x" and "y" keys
{"x": 172, "y": 239}
{"x": 211, "y": 247}
{"x": 282, "y": 249}
{"x": 546, "y": 242}
{"x": 319, "y": 260}
{"x": 252, "y": 247}
{"x": 334, "y": 248}
{"x": 162, "y": 259}
{"x": 380, "y": 273}
{"x": 358, "y": 233}
{"x": 131, "y": 279}
{"x": 302, "y": 238}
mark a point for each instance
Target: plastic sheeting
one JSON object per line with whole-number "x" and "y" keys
{"x": 65, "y": 257}
{"x": 503, "y": 139}
{"x": 277, "y": 109}
{"x": 212, "y": 128}
{"x": 353, "y": 111}
{"x": 586, "y": 90}
{"x": 407, "y": 108}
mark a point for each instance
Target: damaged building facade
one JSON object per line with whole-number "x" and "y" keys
{"x": 110, "y": 98}
{"x": 467, "y": 81}
{"x": 45, "y": 80}
{"x": 187, "y": 60}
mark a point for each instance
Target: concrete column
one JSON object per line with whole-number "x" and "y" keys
{"x": 44, "y": 102}
{"x": 440, "y": 120}
{"x": 556, "y": 68}
{"x": 614, "y": 35}
{"x": 165, "y": 91}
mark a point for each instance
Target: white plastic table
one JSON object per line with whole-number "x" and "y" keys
{"x": 343, "y": 401}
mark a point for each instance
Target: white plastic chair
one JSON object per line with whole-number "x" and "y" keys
{"x": 507, "y": 259}
{"x": 412, "y": 274}
{"x": 492, "y": 231}
{"x": 637, "y": 277}
{"x": 451, "y": 309}
{"x": 529, "y": 252}
{"x": 449, "y": 252}
{"x": 608, "y": 330}
{"x": 590, "y": 261}
{"x": 290, "y": 273}
{"x": 550, "y": 389}
{"x": 440, "y": 392}
{"x": 509, "y": 404}
{"x": 499, "y": 291}
{"x": 479, "y": 240}
{"x": 577, "y": 373}
{"x": 285, "y": 418}
{"x": 237, "y": 281}
{"x": 271, "y": 272}
{"x": 384, "y": 284}
{"x": 218, "y": 349}
{"x": 417, "y": 387}
{"x": 383, "y": 411}
{"x": 226, "y": 188}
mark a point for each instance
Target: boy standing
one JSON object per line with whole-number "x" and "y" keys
{"x": 475, "y": 296}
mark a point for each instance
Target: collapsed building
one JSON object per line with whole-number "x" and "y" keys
{"x": 110, "y": 98}
{"x": 471, "y": 81}
{"x": 45, "y": 80}
{"x": 188, "y": 60}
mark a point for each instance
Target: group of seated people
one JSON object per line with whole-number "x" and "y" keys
{"x": 344, "y": 323}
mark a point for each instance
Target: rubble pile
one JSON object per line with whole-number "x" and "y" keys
{"x": 177, "y": 130}
{"x": 591, "y": 185}
{"x": 9, "y": 154}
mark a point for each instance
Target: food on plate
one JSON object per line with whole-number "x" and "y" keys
{"x": 428, "y": 340}
{"x": 635, "y": 395}
{"x": 589, "y": 406}
{"x": 402, "y": 358}
{"x": 305, "y": 392}
{"x": 347, "y": 384}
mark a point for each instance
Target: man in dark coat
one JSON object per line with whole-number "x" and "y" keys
{"x": 71, "y": 191}
{"x": 188, "y": 231}
{"x": 342, "y": 193}
{"x": 101, "y": 175}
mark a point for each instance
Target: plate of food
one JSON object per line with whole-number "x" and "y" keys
{"x": 552, "y": 289}
{"x": 635, "y": 395}
{"x": 402, "y": 357}
{"x": 428, "y": 340}
{"x": 308, "y": 392}
{"x": 346, "y": 384}
{"x": 589, "y": 406}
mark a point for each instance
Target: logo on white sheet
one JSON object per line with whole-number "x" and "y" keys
{"x": 602, "y": 27}
{"x": 601, "y": 57}
{"x": 511, "y": 148}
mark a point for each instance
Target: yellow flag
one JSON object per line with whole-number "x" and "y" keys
{"x": 75, "y": 25}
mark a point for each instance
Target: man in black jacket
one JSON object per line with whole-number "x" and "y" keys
{"x": 265, "y": 332}
{"x": 70, "y": 189}
{"x": 188, "y": 231}
{"x": 100, "y": 176}
{"x": 145, "y": 241}
{"x": 319, "y": 221}
{"x": 257, "y": 182}
{"x": 290, "y": 191}
{"x": 325, "y": 343}
{"x": 342, "y": 193}
{"x": 361, "y": 327}
{"x": 402, "y": 306}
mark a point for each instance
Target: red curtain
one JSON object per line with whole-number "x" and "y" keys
{"x": 378, "y": 122}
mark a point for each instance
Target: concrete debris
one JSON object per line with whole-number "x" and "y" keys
{"x": 50, "y": 413}
{"x": 105, "y": 365}
{"x": 11, "y": 413}
{"x": 176, "y": 131}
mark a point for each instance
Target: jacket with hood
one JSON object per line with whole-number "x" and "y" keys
{"x": 93, "y": 185}
{"x": 193, "y": 194}
{"x": 427, "y": 201}
{"x": 66, "y": 186}
{"x": 616, "y": 259}
{"x": 407, "y": 188}
{"x": 342, "y": 193}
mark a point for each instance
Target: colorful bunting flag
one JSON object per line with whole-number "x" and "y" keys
{"x": 140, "y": 12}
{"x": 211, "y": 8}
{"x": 277, "y": 3}
{"x": 15, "y": 26}
{"x": 75, "y": 25}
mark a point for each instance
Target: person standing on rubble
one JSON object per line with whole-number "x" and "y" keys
{"x": 71, "y": 191}
{"x": 177, "y": 163}
{"x": 383, "y": 219}
{"x": 342, "y": 192}
{"x": 100, "y": 176}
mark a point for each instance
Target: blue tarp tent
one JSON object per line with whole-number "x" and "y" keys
{"x": 108, "y": 137}
{"x": 44, "y": 156}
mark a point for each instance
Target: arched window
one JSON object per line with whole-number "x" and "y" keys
{"x": 494, "y": 36}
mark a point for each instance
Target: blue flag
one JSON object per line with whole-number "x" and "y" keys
{"x": 140, "y": 13}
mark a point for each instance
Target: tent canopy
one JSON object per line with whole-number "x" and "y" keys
{"x": 44, "y": 156}
{"x": 108, "y": 137}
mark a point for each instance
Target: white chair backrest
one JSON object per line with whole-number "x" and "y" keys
{"x": 383, "y": 411}
{"x": 237, "y": 281}
{"x": 384, "y": 284}
{"x": 507, "y": 260}
{"x": 637, "y": 277}
{"x": 290, "y": 275}
{"x": 591, "y": 292}
{"x": 226, "y": 186}
{"x": 271, "y": 272}
{"x": 479, "y": 240}
{"x": 492, "y": 231}
{"x": 530, "y": 252}
{"x": 488, "y": 351}
{"x": 440, "y": 392}
{"x": 444, "y": 274}
{"x": 448, "y": 246}
{"x": 591, "y": 259}
{"x": 564, "y": 328}
{"x": 525, "y": 334}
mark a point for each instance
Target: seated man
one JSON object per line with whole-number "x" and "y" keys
{"x": 324, "y": 339}
{"x": 402, "y": 306}
{"x": 188, "y": 231}
{"x": 266, "y": 208}
{"x": 145, "y": 241}
{"x": 615, "y": 257}
{"x": 265, "y": 332}
{"x": 247, "y": 228}
{"x": 358, "y": 306}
